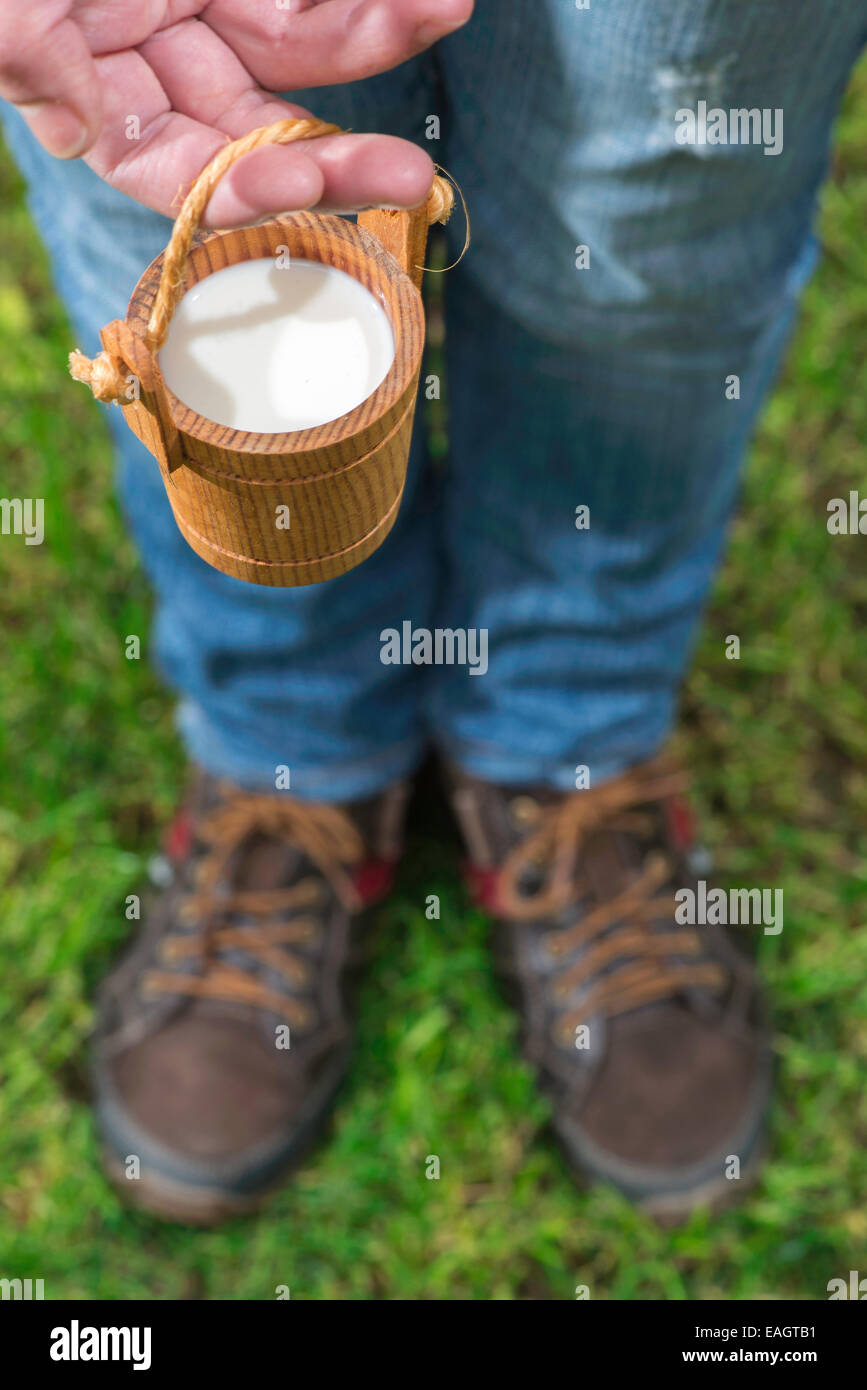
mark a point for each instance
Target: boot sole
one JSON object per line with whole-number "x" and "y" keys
{"x": 180, "y": 1203}
{"x": 194, "y": 1204}
{"x": 716, "y": 1195}
{"x": 714, "y": 1192}
{"x": 177, "y": 1202}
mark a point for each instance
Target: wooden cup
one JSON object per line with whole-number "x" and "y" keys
{"x": 341, "y": 482}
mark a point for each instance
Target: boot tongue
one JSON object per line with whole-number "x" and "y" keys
{"x": 610, "y": 861}
{"x": 265, "y": 862}
{"x": 258, "y": 860}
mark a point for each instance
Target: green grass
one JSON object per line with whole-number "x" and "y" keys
{"x": 90, "y": 769}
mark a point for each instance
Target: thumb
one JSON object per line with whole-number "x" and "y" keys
{"x": 47, "y": 72}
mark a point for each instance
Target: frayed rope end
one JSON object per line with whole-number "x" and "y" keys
{"x": 103, "y": 374}
{"x": 440, "y": 201}
{"x": 440, "y": 205}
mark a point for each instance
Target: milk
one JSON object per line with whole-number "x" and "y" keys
{"x": 267, "y": 347}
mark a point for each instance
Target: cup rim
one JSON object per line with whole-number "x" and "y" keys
{"x": 303, "y": 234}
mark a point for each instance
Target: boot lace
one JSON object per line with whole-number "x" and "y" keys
{"x": 326, "y": 835}
{"x": 626, "y": 960}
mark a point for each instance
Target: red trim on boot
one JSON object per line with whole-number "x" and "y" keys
{"x": 178, "y": 839}
{"x": 373, "y": 878}
{"x": 680, "y": 823}
{"x": 484, "y": 886}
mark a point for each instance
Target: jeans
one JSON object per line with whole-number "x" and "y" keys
{"x": 598, "y": 379}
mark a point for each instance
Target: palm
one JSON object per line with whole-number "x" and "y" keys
{"x": 175, "y": 78}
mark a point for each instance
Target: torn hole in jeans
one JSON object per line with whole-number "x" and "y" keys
{"x": 681, "y": 86}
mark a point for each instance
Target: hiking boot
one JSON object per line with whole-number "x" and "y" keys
{"x": 224, "y": 1032}
{"x": 649, "y": 1037}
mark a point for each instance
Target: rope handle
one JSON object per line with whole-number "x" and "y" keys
{"x": 105, "y": 374}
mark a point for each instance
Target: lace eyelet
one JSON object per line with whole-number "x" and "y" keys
{"x": 524, "y": 810}
{"x": 172, "y": 950}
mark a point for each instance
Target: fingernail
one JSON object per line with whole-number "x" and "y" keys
{"x": 58, "y": 128}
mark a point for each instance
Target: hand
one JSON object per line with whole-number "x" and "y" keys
{"x": 194, "y": 73}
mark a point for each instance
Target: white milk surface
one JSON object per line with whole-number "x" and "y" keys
{"x": 267, "y": 348}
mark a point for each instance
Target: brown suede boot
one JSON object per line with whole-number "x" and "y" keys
{"x": 649, "y": 1036}
{"x": 225, "y": 1031}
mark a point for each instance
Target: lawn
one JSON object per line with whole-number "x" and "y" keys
{"x": 90, "y": 769}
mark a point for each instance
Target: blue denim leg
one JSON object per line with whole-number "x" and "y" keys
{"x": 605, "y": 386}
{"x": 267, "y": 676}
{"x": 602, "y": 387}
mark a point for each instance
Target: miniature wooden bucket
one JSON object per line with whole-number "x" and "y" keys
{"x": 229, "y": 490}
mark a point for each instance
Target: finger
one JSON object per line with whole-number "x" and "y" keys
{"x": 370, "y": 171}
{"x": 47, "y": 72}
{"x": 112, "y": 26}
{"x": 202, "y": 78}
{"x": 336, "y": 41}
{"x": 154, "y": 154}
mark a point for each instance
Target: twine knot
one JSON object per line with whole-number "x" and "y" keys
{"x": 105, "y": 375}
{"x": 440, "y": 200}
